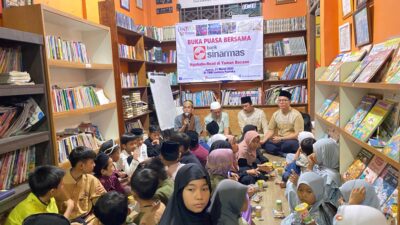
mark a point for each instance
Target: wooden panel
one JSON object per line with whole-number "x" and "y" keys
{"x": 79, "y": 112}
{"x": 33, "y": 14}
{"x": 8, "y": 90}
{"x": 16, "y": 142}
{"x": 77, "y": 65}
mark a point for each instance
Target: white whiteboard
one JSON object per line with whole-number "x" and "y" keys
{"x": 163, "y": 100}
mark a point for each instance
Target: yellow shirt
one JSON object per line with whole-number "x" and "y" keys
{"x": 287, "y": 123}
{"x": 29, "y": 206}
{"x": 82, "y": 192}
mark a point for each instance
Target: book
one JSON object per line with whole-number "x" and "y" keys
{"x": 331, "y": 68}
{"x": 200, "y": 98}
{"x": 359, "y": 164}
{"x": 389, "y": 208}
{"x": 68, "y": 143}
{"x": 393, "y": 68}
{"x": 374, "y": 66}
{"x": 284, "y": 25}
{"x": 374, "y": 168}
{"x": 386, "y": 183}
{"x": 126, "y": 51}
{"x": 72, "y": 51}
{"x": 6, "y": 193}
{"x": 295, "y": 71}
{"x": 393, "y": 146}
{"x": 367, "y": 102}
{"x": 286, "y": 47}
{"x": 372, "y": 120}
{"x": 129, "y": 80}
{"x": 232, "y": 97}
{"x": 327, "y": 103}
{"x": 10, "y": 59}
{"x": 332, "y": 113}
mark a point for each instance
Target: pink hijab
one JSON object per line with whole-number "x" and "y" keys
{"x": 219, "y": 162}
{"x": 235, "y": 166}
{"x": 244, "y": 151}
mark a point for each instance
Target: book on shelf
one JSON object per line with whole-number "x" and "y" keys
{"x": 67, "y": 143}
{"x": 168, "y": 33}
{"x": 285, "y": 25}
{"x": 392, "y": 44}
{"x": 173, "y": 78}
{"x": 66, "y": 99}
{"x": 295, "y": 71}
{"x": 15, "y": 167}
{"x": 126, "y": 51}
{"x": 393, "y": 68}
{"x": 16, "y": 78}
{"x": 374, "y": 66}
{"x": 374, "y": 168}
{"x": 200, "y": 98}
{"x": 125, "y": 21}
{"x": 372, "y": 120}
{"x": 232, "y": 97}
{"x": 286, "y": 47}
{"x": 157, "y": 55}
{"x": 389, "y": 126}
{"x": 10, "y": 59}
{"x": 72, "y": 51}
{"x": 332, "y": 112}
{"x": 390, "y": 207}
{"x": 386, "y": 183}
{"x": 6, "y": 193}
{"x": 90, "y": 128}
{"x": 299, "y": 94}
{"x": 325, "y": 105}
{"x": 132, "y": 105}
{"x": 18, "y": 118}
{"x": 393, "y": 147}
{"x": 359, "y": 164}
{"x": 367, "y": 102}
{"x": 135, "y": 124}
{"x": 129, "y": 80}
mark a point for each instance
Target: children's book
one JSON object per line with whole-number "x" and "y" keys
{"x": 374, "y": 168}
{"x": 358, "y": 165}
{"x": 327, "y": 103}
{"x": 394, "y": 67}
{"x": 392, "y": 148}
{"x": 367, "y": 102}
{"x": 390, "y": 207}
{"x": 379, "y": 60}
{"x": 372, "y": 120}
{"x": 331, "y": 68}
{"x": 386, "y": 183}
{"x": 332, "y": 113}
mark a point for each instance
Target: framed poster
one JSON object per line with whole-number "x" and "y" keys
{"x": 10, "y": 3}
{"x": 347, "y": 8}
{"x": 125, "y": 4}
{"x": 160, "y": 2}
{"x": 360, "y": 3}
{"x": 139, "y": 4}
{"x": 362, "y": 27}
{"x": 164, "y": 10}
{"x": 344, "y": 38}
{"x": 280, "y": 2}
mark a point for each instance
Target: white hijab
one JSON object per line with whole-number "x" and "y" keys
{"x": 358, "y": 215}
{"x": 371, "y": 198}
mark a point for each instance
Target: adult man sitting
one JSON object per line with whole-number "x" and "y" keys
{"x": 288, "y": 122}
{"x": 218, "y": 116}
{"x": 252, "y": 116}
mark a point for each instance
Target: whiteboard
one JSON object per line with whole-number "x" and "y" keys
{"x": 163, "y": 100}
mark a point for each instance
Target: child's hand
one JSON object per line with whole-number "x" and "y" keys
{"x": 135, "y": 154}
{"x": 69, "y": 204}
{"x": 250, "y": 191}
{"x": 357, "y": 196}
{"x": 156, "y": 142}
{"x": 253, "y": 172}
{"x": 294, "y": 177}
{"x": 234, "y": 176}
{"x": 276, "y": 139}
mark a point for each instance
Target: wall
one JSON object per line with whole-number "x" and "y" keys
{"x": 160, "y": 20}
{"x": 273, "y": 11}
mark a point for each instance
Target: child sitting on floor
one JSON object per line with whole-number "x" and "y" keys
{"x": 104, "y": 171}
{"x": 153, "y": 142}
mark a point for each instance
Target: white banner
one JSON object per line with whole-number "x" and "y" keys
{"x": 220, "y": 50}
{"x": 201, "y": 3}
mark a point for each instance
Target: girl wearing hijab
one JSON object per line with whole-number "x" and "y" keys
{"x": 220, "y": 144}
{"x": 310, "y": 190}
{"x": 219, "y": 164}
{"x": 232, "y": 140}
{"x": 358, "y": 215}
{"x": 326, "y": 163}
{"x": 359, "y": 192}
{"x": 224, "y": 209}
{"x": 190, "y": 199}
{"x": 247, "y": 159}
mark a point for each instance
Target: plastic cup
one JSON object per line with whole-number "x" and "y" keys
{"x": 258, "y": 211}
{"x": 260, "y": 184}
{"x": 302, "y": 212}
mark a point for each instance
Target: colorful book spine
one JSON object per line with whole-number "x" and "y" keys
{"x": 72, "y": 51}
{"x": 67, "y": 144}
{"x": 129, "y": 80}
{"x": 199, "y": 99}
{"x": 232, "y": 97}
{"x": 285, "y": 25}
{"x": 386, "y": 183}
{"x": 367, "y": 102}
{"x": 74, "y": 98}
{"x": 373, "y": 169}
{"x": 295, "y": 71}
{"x": 358, "y": 165}
{"x": 393, "y": 147}
{"x": 126, "y": 51}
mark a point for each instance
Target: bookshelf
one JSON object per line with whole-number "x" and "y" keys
{"x": 40, "y": 134}
{"x": 46, "y": 21}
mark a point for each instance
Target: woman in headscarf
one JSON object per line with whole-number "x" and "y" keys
{"x": 358, "y": 215}
{"x": 359, "y": 192}
{"x": 190, "y": 199}
{"x": 260, "y": 157}
{"x": 247, "y": 159}
{"x": 219, "y": 164}
{"x": 226, "y": 210}
{"x": 310, "y": 190}
{"x": 232, "y": 141}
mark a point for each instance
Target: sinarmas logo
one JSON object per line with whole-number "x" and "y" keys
{"x": 199, "y": 52}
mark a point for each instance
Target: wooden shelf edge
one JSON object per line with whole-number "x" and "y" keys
{"x": 16, "y": 142}
{"x": 320, "y": 118}
{"x": 78, "y": 112}
{"x": 285, "y": 56}
{"x": 284, "y": 81}
{"x": 122, "y": 59}
{"x": 134, "y": 88}
{"x": 21, "y": 191}
{"x": 14, "y": 90}
{"x": 20, "y": 36}
{"x": 380, "y": 86}
{"x": 370, "y": 148}
{"x": 285, "y": 32}
{"x": 78, "y": 65}
{"x": 327, "y": 83}
{"x": 137, "y": 116}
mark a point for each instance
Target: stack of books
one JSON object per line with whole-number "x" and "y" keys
{"x": 285, "y": 25}
{"x": 168, "y": 33}
{"x": 157, "y": 55}
{"x": 72, "y": 51}
{"x": 133, "y": 106}
{"x": 286, "y": 47}
{"x": 16, "y": 78}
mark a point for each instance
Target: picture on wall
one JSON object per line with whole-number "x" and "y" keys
{"x": 347, "y": 8}
{"x": 361, "y": 3}
{"x": 125, "y": 4}
{"x": 160, "y": 2}
{"x": 139, "y": 4}
{"x": 362, "y": 28}
{"x": 345, "y": 38}
{"x": 9, "y": 3}
{"x": 280, "y": 2}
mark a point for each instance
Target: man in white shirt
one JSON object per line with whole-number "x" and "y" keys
{"x": 252, "y": 116}
{"x": 221, "y": 118}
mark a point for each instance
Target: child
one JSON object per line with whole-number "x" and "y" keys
{"x": 218, "y": 166}
{"x": 358, "y": 215}
{"x": 129, "y": 157}
{"x": 44, "y": 182}
{"x": 113, "y": 150}
{"x": 142, "y": 148}
{"x": 153, "y": 142}
{"x": 359, "y": 192}
{"x": 300, "y": 162}
{"x": 46, "y": 219}
{"x": 81, "y": 186}
{"x": 199, "y": 151}
{"x": 310, "y": 190}
{"x": 104, "y": 171}
{"x": 144, "y": 184}
{"x": 212, "y": 129}
{"x": 190, "y": 198}
{"x": 112, "y": 208}
{"x": 170, "y": 156}
{"x": 226, "y": 210}
{"x": 184, "y": 143}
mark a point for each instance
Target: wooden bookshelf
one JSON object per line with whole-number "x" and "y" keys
{"x": 138, "y": 116}
{"x": 285, "y": 57}
{"x": 44, "y": 20}
{"x": 40, "y": 134}
{"x": 287, "y": 33}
